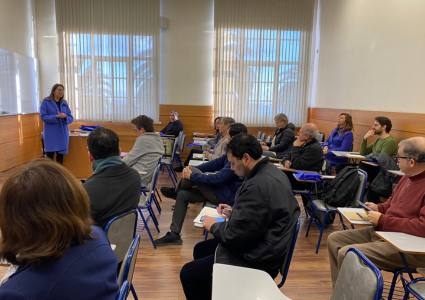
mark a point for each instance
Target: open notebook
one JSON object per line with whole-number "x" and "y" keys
{"x": 206, "y": 211}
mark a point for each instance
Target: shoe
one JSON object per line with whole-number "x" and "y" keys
{"x": 178, "y": 169}
{"x": 169, "y": 192}
{"x": 170, "y": 238}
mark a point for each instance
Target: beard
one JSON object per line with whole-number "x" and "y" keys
{"x": 378, "y": 132}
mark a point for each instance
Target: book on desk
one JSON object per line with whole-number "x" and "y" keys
{"x": 206, "y": 211}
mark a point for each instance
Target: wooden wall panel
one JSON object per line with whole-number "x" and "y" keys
{"x": 19, "y": 139}
{"x": 405, "y": 125}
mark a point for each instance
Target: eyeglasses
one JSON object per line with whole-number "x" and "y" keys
{"x": 397, "y": 158}
{"x": 135, "y": 130}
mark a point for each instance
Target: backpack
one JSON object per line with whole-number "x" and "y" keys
{"x": 341, "y": 190}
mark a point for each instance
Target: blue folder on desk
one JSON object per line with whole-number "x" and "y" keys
{"x": 89, "y": 128}
{"x": 190, "y": 145}
{"x": 301, "y": 175}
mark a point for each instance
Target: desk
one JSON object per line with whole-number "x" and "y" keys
{"x": 421, "y": 271}
{"x": 343, "y": 153}
{"x": 77, "y": 161}
{"x": 194, "y": 163}
{"x": 404, "y": 243}
{"x": 354, "y": 156}
{"x": 370, "y": 163}
{"x": 398, "y": 173}
{"x": 282, "y": 168}
{"x": 342, "y": 210}
{"x": 198, "y": 156}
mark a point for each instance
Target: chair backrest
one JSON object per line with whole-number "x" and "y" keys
{"x": 181, "y": 143}
{"x": 263, "y": 136}
{"x": 246, "y": 284}
{"x": 288, "y": 257}
{"x": 259, "y": 134}
{"x": 173, "y": 155}
{"x": 320, "y": 136}
{"x": 360, "y": 190}
{"x": 120, "y": 231}
{"x": 152, "y": 187}
{"x": 123, "y": 291}
{"x": 358, "y": 278}
{"x": 269, "y": 139}
{"x": 127, "y": 267}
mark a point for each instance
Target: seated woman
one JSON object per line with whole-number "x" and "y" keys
{"x": 282, "y": 139}
{"x": 211, "y": 142}
{"x": 46, "y": 232}
{"x": 340, "y": 139}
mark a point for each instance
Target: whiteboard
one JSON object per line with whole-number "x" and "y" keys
{"x": 19, "y": 88}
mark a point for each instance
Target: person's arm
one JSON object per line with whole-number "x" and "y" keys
{"x": 390, "y": 147}
{"x": 44, "y": 116}
{"x": 224, "y": 176}
{"x": 410, "y": 226}
{"x": 364, "y": 148}
{"x": 326, "y": 143}
{"x": 175, "y": 129}
{"x": 248, "y": 222}
{"x": 285, "y": 142}
{"x": 214, "y": 165}
{"x": 164, "y": 129}
{"x": 136, "y": 153}
{"x": 11, "y": 295}
{"x": 69, "y": 118}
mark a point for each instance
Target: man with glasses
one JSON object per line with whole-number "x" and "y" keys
{"x": 174, "y": 126}
{"x": 403, "y": 212}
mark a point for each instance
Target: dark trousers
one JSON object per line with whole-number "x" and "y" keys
{"x": 190, "y": 192}
{"x": 196, "y": 276}
{"x": 190, "y": 156}
{"x": 59, "y": 157}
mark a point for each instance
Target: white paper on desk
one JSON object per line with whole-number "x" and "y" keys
{"x": 207, "y": 211}
{"x": 84, "y": 134}
{"x": 198, "y": 155}
{"x": 355, "y": 156}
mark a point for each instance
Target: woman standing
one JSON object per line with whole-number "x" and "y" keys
{"x": 47, "y": 232}
{"x": 340, "y": 139}
{"x": 56, "y": 115}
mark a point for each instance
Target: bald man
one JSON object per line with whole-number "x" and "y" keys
{"x": 305, "y": 154}
{"x": 403, "y": 212}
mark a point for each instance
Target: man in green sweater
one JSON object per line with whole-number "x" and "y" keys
{"x": 384, "y": 144}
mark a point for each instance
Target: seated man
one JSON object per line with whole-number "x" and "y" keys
{"x": 403, "y": 212}
{"x": 259, "y": 230}
{"x": 195, "y": 186}
{"x": 305, "y": 154}
{"x": 282, "y": 139}
{"x": 220, "y": 147}
{"x": 147, "y": 149}
{"x": 114, "y": 187}
{"x": 384, "y": 144}
{"x": 175, "y": 125}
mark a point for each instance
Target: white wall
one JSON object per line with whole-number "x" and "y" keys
{"x": 372, "y": 55}
{"x": 186, "y": 52}
{"x": 16, "y": 26}
{"x": 47, "y": 45}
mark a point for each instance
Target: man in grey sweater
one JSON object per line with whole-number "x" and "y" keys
{"x": 147, "y": 149}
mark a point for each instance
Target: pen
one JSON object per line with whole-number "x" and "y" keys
{"x": 360, "y": 215}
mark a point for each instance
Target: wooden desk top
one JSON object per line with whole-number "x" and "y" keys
{"x": 354, "y": 156}
{"x": 398, "y": 173}
{"x": 370, "y": 163}
{"x": 404, "y": 242}
{"x": 342, "y": 153}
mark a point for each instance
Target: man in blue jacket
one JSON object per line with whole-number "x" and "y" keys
{"x": 220, "y": 187}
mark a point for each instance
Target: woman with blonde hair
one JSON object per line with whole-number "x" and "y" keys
{"x": 47, "y": 232}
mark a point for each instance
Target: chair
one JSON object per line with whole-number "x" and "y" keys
{"x": 263, "y": 136}
{"x": 247, "y": 284}
{"x": 145, "y": 203}
{"x": 128, "y": 264}
{"x": 180, "y": 144}
{"x": 321, "y": 137}
{"x": 269, "y": 139}
{"x": 121, "y": 231}
{"x": 42, "y": 144}
{"x": 259, "y": 134}
{"x": 167, "y": 162}
{"x": 417, "y": 288}
{"x": 156, "y": 196}
{"x": 321, "y": 206}
{"x": 358, "y": 278}
{"x": 288, "y": 257}
{"x": 122, "y": 295}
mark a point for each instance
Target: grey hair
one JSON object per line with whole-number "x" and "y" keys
{"x": 313, "y": 133}
{"x": 227, "y": 120}
{"x": 175, "y": 112}
{"x": 413, "y": 150}
{"x": 281, "y": 118}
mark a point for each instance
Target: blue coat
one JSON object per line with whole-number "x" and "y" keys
{"x": 85, "y": 272}
{"x": 337, "y": 143}
{"x": 56, "y": 132}
{"x": 225, "y": 183}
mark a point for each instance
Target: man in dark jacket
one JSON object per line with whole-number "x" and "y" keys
{"x": 306, "y": 154}
{"x": 196, "y": 186}
{"x": 282, "y": 139}
{"x": 260, "y": 225}
{"x": 114, "y": 187}
{"x": 175, "y": 125}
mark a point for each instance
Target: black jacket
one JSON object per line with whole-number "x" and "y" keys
{"x": 112, "y": 192}
{"x": 284, "y": 139}
{"x": 383, "y": 182}
{"x": 259, "y": 231}
{"x": 308, "y": 157}
{"x": 173, "y": 128}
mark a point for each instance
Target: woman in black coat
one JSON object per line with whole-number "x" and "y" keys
{"x": 282, "y": 139}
